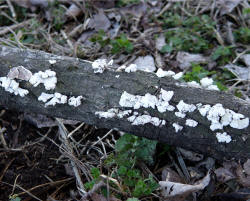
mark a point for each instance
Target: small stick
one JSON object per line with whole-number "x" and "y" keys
{"x": 95, "y": 188}
{"x": 14, "y": 26}
{"x": 2, "y": 137}
{"x": 12, "y": 10}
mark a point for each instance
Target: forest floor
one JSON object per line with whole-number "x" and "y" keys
{"x": 199, "y": 38}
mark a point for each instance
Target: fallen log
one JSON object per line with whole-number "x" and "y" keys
{"x": 103, "y": 91}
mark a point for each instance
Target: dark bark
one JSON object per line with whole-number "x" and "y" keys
{"x": 103, "y": 91}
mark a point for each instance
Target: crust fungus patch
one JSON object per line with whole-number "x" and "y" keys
{"x": 220, "y": 117}
{"x": 100, "y": 65}
{"x": 12, "y": 86}
{"x": 75, "y": 101}
{"x": 148, "y": 100}
{"x": 223, "y": 137}
{"x": 134, "y": 118}
{"x": 177, "y": 127}
{"x": 52, "y": 99}
{"x": 48, "y": 78}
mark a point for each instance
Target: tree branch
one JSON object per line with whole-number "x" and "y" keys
{"x": 103, "y": 91}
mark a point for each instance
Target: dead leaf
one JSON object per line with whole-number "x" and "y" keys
{"x": 227, "y": 172}
{"x": 240, "y": 72}
{"x": 190, "y": 155}
{"x": 227, "y": 6}
{"x": 20, "y": 73}
{"x": 170, "y": 175}
{"x": 223, "y": 175}
{"x": 145, "y": 63}
{"x": 208, "y": 163}
{"x": 22, "y": 3}
{"x": 134, "y": 9}
{"x": 104, "y": 4}
{"x": 195, "y": 173}
{"x": 186, "y": 59}
{"x": 114, "y": 31}
{"x": 85, "y": 36}
{"x": 73, "y": 11}
{"x": 246, "y": 59}
{"x": 160, "y": 42}
{"x": 159, "y": 60}
{"x": 99, "y": 21}
{"x": 40, "y": 3}
{"x": 247, "y": 167}
{"x": 172, "y": 189}
{"x": 240, "y": 195}
{"x": 243, "y": 178}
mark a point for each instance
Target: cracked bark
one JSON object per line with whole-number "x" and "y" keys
{"x": 103, "y": 91}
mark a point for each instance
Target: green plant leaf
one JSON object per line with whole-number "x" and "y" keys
{"x": 14, "y": 198}
{"x": 166, "y": 48}
{"x": 121, "y": 44}
{"x": 95, "y": 172}
{"x": 221, "y": 51}
{"x": 145, "y": 150}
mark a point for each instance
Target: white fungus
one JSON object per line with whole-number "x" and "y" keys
{"x": 131, "y": 68}
{"x": 134, "y": 119}
{"x": 194, "y": 84}
{"x": 111, "y": 113}
{"x": 220, "y": 117}
{"x": 213, "y": 87}
{"x": 191, "y": 123}
{"x": 184, "y": 107}
{"x": 12, "y": 86}
{"x": 48, "y": 78}
{"x": 226, "y": 118}
{"x": 223, "y": 137}
{"x": 124, "y": 113}
{"x": 177, "y": 127}
{"x": 75, "y": 101}
{"x": 127, "y": 100}
{"x": 110, "y": 63}
{"x": 148, "y": 100}
{"x": 178, "y": 75}
{"x": 121, "y": 68}
{"x": 100, "y": 65}
{"x": 205, "y": 82}
{"x": 166, "y": 95}
{"x": 180, "y": 114}
{"x": 163, "y": 101}
{"x": 203, "y": 109}
{"x": 44, "y": 97}
{"x": 144, "y": 119}
{"x": 54, "y": 99}
{"x": 131, "y": 118}
{"x": 162, "y": 73}
{"x": 52, "y": 61}
{"x": 238, "y": 120}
